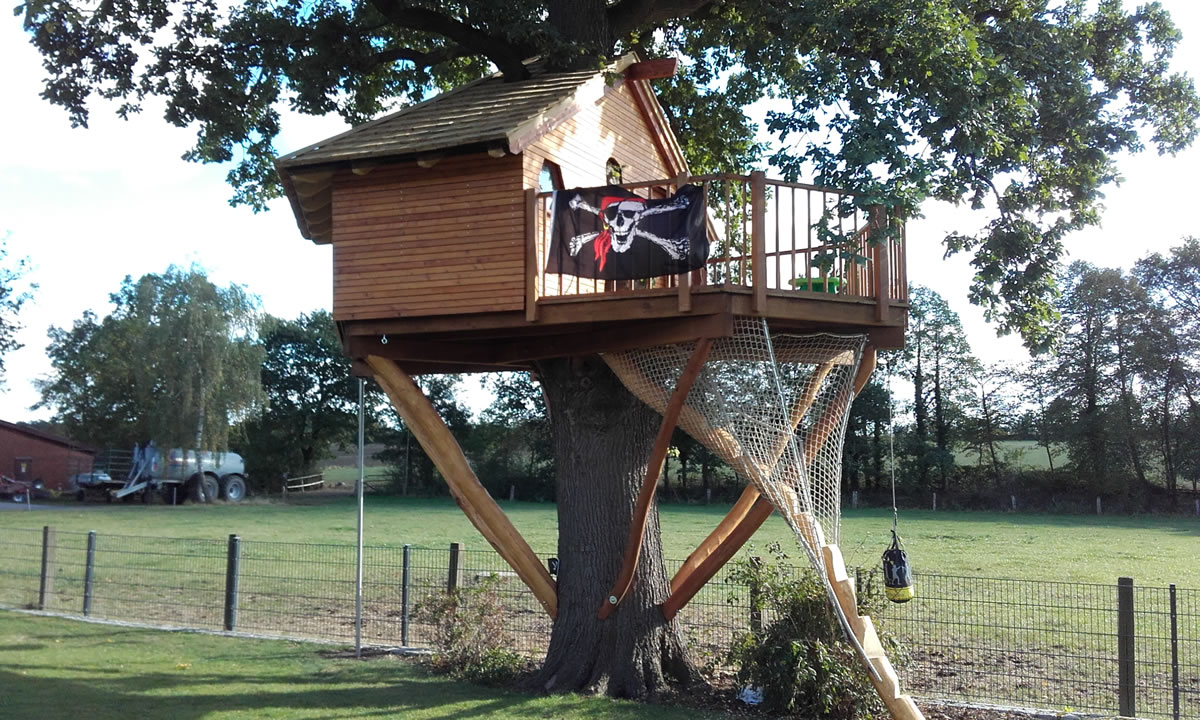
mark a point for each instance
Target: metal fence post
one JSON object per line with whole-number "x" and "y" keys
{"x": 233, "y": 562}
{"x": 1174, "y": 656}
{"x": 1126, "y": 666}
{"x": 46, "y": 584}
{"x": 455, "y": 576}
{"x": 405, "y": 582}
{"x": 89, "y": 573}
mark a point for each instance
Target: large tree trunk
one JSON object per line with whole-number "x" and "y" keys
{"x": 602, "y": 440}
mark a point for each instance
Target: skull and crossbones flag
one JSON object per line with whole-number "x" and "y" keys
{"x": 609, "y": 233}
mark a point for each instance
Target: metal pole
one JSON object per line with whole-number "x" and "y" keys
{"x": 233, "y": 561}
{"x": 1126, "y": 663}
{"x": 358, "y": 571}
{"x": 405, "y": 581}
{"x": 88, "y": 573}
{"x": 46, "y": 586}
{"x": 1174, "y": 657}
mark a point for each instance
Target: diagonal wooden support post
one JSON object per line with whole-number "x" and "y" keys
{"x": 746, "y": 517}
{"x": 641, "y": 510}
{"x": 438, "y": 442}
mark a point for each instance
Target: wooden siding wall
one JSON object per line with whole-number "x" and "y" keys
{"x": 612, "y": 128}
{"x": 444, "y": 240}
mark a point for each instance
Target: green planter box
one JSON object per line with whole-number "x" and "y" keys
{"x": 826, "y": 285}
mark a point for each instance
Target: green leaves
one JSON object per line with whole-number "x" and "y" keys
{"x": 176, "y": 362}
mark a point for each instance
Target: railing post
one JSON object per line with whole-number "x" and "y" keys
{"x": 233, "y": 562}
{"x": 531, "y": 263}
{"x": 1126, "y": 666}
{"x": 881, "y": 251}
{"x": 453, "y": 580}
{"x": 405, "y": 582}
{"x": 46, "y": 584}
{"x": 89, "y": 573}
{"x": 758, "y": 239}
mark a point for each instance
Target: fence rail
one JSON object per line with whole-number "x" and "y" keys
{"x": 1096, "y": 648}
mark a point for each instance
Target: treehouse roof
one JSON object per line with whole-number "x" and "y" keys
{"x": 488, "y": 114}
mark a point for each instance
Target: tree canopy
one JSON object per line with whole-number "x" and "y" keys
{"x": 311, "y": 398}
{"x": 1019, "y": 106}
{"x": 176, "y": 362}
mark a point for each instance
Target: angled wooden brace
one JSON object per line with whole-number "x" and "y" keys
{"x": 641, "y": 510}
{"x": 747, "y": 515}
{"x": 437, "y": 441}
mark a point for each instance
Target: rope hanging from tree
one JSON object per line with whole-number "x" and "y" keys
{"x": 897, "y": 575}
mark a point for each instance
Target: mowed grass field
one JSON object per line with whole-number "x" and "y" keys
{"x": 54, "y": 669}
{"x": 1078, "y": 548}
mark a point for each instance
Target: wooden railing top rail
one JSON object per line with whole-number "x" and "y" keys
{"x": 684, "y": 179}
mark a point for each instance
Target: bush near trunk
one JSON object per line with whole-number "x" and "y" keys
{"x": 798, "y": 656}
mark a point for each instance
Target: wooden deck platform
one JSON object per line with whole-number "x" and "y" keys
{"x": 764, "y": 223}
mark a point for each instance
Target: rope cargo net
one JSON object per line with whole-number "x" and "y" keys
{"x": 773, "y": 407}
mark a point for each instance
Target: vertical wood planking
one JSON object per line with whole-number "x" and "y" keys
{"x": 531, "y": 254}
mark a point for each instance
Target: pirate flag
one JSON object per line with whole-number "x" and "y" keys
{"x": 611, "y": 234}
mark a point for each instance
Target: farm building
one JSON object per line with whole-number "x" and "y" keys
{"x": 28, "y": 455}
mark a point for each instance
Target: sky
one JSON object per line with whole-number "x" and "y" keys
{"x": 88, "y": 207}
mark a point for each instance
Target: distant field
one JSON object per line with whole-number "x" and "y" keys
{"x": 1018, "y": 454}
{"x": 1153, "y": 550}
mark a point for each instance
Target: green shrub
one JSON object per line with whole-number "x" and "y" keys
{"x": 795, "y": 651}
{"x": 470, "y": 640}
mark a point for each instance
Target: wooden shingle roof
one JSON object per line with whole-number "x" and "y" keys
{"x": 486, "y": 115}
{"x": 486, "y": 112}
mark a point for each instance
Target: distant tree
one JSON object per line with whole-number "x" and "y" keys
{"x": 862, "y": 455}
{"x": 989, "y": 411}
{"x": 937, "y": 361}
{"x": 1089, "y": 395}
{"x": 311, "y": 398}
{"x": 1037, "y": 378}
{"x": 1169, "y": 357}
{"x": 513, "y": 438}
{"x": 12, "y": 297}
{"x": 411, "y": 469}
{"x": 177, "y": 361}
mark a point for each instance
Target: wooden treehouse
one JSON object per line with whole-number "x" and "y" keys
{"x": 440, "y": 220}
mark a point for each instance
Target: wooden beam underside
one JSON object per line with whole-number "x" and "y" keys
{"x": 437, "y": 441}
{"x": 519, "y": 351}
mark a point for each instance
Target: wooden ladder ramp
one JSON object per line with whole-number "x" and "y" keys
{"x": 886, "y": 682}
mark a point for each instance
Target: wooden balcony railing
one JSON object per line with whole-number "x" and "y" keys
{"x": 766, "y": 235}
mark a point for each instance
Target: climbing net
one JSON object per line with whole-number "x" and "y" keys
{"x": 773, "y": 407}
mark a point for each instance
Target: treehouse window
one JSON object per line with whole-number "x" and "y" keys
{"x": 550, "y": 178}
{"x": 612, "y": 172}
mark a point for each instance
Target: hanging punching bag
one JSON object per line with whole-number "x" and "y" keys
{"x": 897, "y": 576}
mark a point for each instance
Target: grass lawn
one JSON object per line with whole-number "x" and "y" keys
{"x": 1153, "y": 550}
{"x": 53, "y": 669}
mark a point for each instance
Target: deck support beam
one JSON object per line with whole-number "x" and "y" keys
{"x": 438, "y": 442}
{"x": 641, "y": 510}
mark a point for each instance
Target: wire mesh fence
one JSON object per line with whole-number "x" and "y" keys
{"x": 1096, "y": 648}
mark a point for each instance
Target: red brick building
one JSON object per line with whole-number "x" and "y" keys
{"x": 27, "y": 454}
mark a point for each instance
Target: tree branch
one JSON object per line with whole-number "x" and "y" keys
{"x": 629, "y": 15}
{"x": 422, "y": 59}
{"x": 506, "y": 55}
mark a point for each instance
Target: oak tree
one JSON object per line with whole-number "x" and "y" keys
{"x": 1017, "y": 106}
